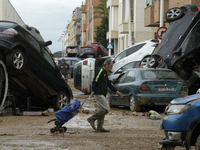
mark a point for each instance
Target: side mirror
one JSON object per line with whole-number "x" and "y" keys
{"x": 47, "y": 43}
{"x": 119, "y": 71}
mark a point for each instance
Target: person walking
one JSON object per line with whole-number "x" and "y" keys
{"x": 99, "y": 91}
{"x": 65, "y": 69}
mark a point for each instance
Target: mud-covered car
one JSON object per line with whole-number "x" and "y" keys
{"x": 143, "y": 87}
{"x": 181, "y": 125}
{"x": 30, "y": 68}
{"x": 179, "y": 49}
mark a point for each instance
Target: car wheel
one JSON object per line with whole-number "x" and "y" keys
{"x": 100, "y": 55}
{"x": 174, "y": 14}
{"x": 198, "y": 91}
{"x": 3, "y": 84}
{"x": 15, "y": 61}
{"x": 108, "y": 98}
{"x": 133, "y": 105}
{"x": 197, "y": 143}
{"x": 149, "y": 62}
{"x": 61, "y": 100}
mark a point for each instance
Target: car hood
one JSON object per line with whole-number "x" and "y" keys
{"x": 185, "y": 100}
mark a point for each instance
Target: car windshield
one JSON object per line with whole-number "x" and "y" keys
{"x": 158, "y": 74}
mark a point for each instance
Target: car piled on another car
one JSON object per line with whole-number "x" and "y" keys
{"x": 31, "y": 70}
{"x": 179, "y": 49}
{"x": 142, "y": 87}
{"x": 133, "y": 54}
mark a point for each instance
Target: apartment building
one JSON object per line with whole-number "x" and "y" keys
{"x": 152, "y": 10}
{"x": 119, "y": 23}
{"x": 88, "y": 23}
{"x": 80, "y": 30}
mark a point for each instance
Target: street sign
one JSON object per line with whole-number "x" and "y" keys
{"x": 109, "y": 45}
{"x": 161, "y": 32}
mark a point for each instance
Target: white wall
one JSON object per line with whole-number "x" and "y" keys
{"x": 8, "y": 13}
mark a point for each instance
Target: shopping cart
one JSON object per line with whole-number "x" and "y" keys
{"x": 65, "y": 114}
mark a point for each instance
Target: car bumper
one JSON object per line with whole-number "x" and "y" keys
{"x": 175, "y": 129}
{"x": 154, "y": 99}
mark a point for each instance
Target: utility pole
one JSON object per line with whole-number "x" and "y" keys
{"x": 130, "y": 27}
{"x": 161, "y": 12}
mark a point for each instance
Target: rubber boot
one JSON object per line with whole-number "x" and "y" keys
{"x": 94, "y": 117}
{"x": 100, "y": 123}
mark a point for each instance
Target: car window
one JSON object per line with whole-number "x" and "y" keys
{"x": 120, "y": 56}
{"x": 134, "y": 49}
{"x": 128, "y": 66}
{"x": 32, "y": 41}
{"x": 129, "y": 77}
{"x": 48, "y": 57}
{"x": 68, "y": 62}
{"x": 158, "y": 74}
{"x": 192, "y": 39}
{"x": 73, "y": 62}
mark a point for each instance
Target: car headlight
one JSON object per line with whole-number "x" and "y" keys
{"x": 176, "y": 109}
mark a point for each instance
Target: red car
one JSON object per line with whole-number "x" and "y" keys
{"x": 100, "y": 49}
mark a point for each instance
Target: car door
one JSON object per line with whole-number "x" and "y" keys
{"x": 126, "y": 87}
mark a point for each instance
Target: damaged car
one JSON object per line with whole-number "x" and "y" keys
{"x": 144, "y": 87}
{"x": 179, "y": 49}
{"x": 31, "y": 70}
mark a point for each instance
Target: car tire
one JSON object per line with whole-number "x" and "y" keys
{"x": 197, "y": 143}
{"x": 133, "y": 105}
{"x": 108, "y": 98}
{"x": 3, "y": 83}
{"x": 174, "y": 14}
{"x": 149, "y": 62}
{"x": 198, "y": 91}
{"x": 100, "y": 55}
{"x": 61, "y": 100}
{"x": 15, "y": 61}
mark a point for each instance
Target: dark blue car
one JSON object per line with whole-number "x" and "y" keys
{"x": 71, "y": 61}
{"x": 182, "y": 123}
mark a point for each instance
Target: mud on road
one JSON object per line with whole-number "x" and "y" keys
{"x": 128, "y": 131}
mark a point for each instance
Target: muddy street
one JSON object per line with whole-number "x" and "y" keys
{"x": 128, "y": 130}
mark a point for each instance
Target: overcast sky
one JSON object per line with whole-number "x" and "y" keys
{"x": 50, "y": 17}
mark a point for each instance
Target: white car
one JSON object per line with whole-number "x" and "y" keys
{"x": 84, "y": 72}
{"x": 136, "y": 52}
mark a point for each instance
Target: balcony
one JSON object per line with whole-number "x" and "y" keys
{"x": 124, "y": 28}
{"x": 114, "y": 35}
{"x": 113, "y": 3}
{"x": 152, "y": 13}
{"x": 149, "y": 17}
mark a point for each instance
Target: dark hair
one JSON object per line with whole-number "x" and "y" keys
{"x": 107, "y": 61}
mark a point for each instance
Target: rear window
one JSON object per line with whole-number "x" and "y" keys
{"x": 7, "y": 24}
{"x": 158, "y": 74}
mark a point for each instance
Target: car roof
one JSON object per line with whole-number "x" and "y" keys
{"x": 71, "y": 58}
{"x": 148, "y": 69}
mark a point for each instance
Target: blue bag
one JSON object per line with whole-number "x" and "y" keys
{"x": 68, "y": 112}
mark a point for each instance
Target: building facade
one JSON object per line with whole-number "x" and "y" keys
{"x": 152, "y": 10}
{"x": 8, "y": 13}
{"x": 119, "y": 23}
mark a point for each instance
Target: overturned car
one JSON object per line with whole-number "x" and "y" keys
{"x": 179, "y": 49}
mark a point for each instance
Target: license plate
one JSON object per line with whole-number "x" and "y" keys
{"x": 166, "y": 89}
